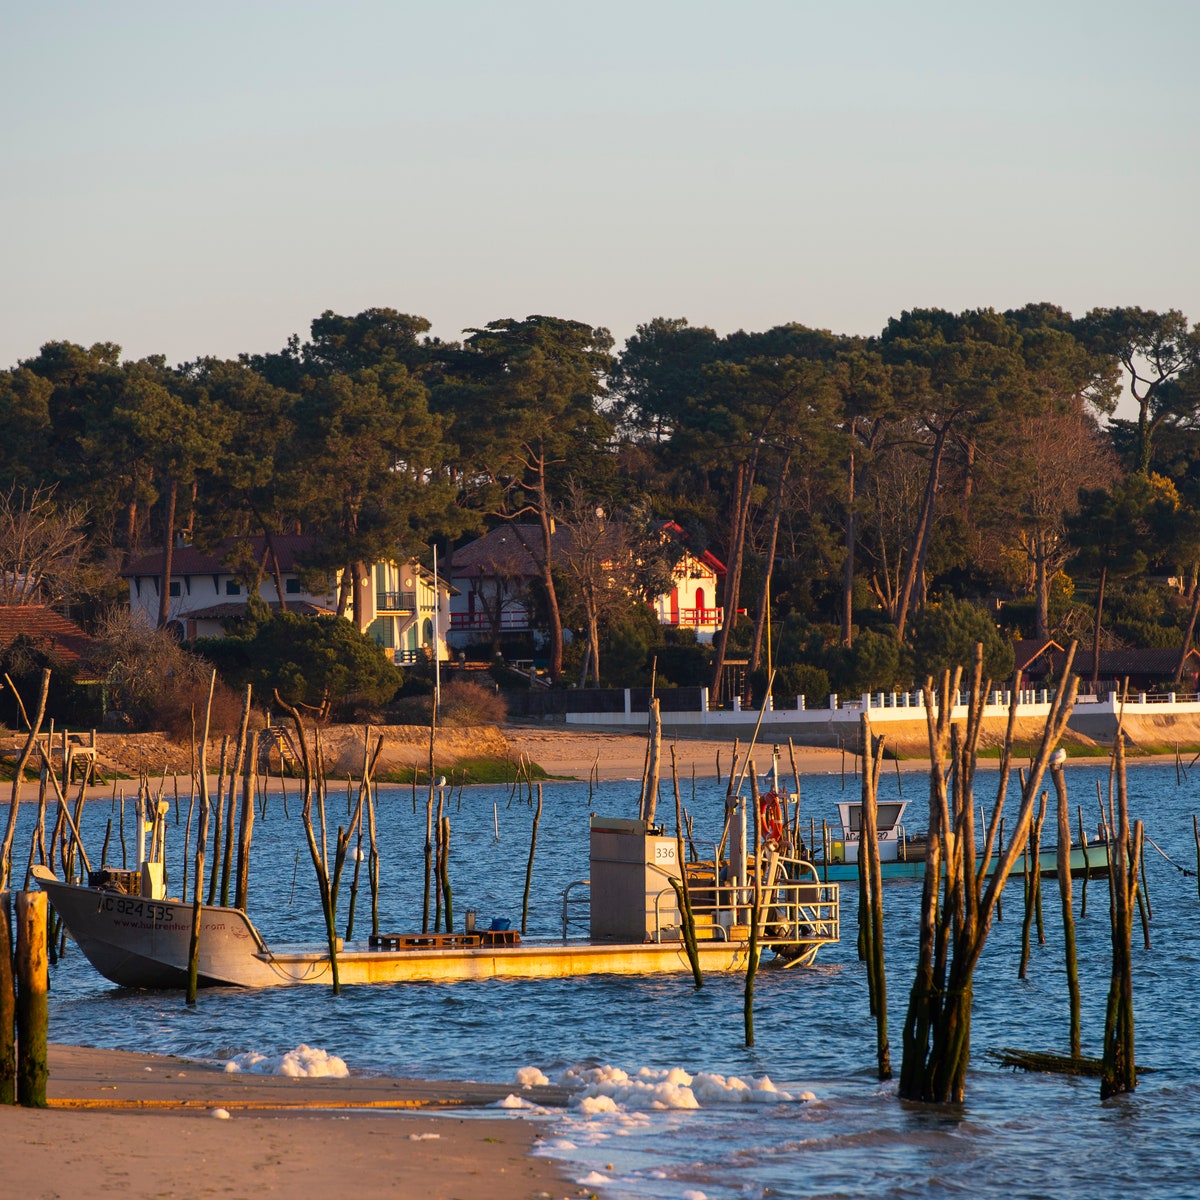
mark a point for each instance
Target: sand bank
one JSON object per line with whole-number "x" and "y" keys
{"x": 139, "y": 1125}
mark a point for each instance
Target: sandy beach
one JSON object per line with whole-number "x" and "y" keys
{"x": 140, "y": 1125}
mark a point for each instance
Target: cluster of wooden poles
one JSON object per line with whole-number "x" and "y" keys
{"x": 959, "y": 898}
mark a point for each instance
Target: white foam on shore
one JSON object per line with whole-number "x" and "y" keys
{"x": 512, "y": 1100}
{"x": 531, "y": 1077}
{"x": 610, "y": 1089}
{"x": 308, "y": 1062}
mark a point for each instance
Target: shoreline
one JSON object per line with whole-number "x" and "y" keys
{"x": 575, "y": 754}
{"x": 142, "y": 1125}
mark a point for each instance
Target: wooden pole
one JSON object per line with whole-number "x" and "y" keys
{"x": 218, "y": 825}
{"x": 1119, "y": 1070}
{"x": 33, "y": 1006}
{"x": 444, "y": 838}
{"x": 19, "y": 775}
{"x": 537, "y": 816}
{"x": 242, "y": 763}
{"x": 1032, "y": 878}
{"x": 755, "y": 908}
{"x": 683, "y": 890}
{"x": 872, "y": 870}
{"x": 1196, "y": 836}
{"x": 193, "y": 973}
{"x": 8, "y": 1005}
{"x": 1087, "y": 865}
{"x": 373, "y": 874}
{"x": 246, "y": 823}
{"x": 1064, "y": 891}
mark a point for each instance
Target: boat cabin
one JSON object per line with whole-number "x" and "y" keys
{"x": 889, "y": 827}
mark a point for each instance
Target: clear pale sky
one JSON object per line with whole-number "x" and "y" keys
{"x": 206, "y": 178}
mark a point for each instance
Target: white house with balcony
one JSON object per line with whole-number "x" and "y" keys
{"x": 396, "y": 604}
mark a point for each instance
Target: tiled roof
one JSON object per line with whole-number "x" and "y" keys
{"x": 61, "y": 639}
{"x": 188, "y": 560}
{"x": 1026, "y": 650}
{"x": 232, "y": 608}
{"x": 507, "y": 550}
{"x": 1115, "y": 663}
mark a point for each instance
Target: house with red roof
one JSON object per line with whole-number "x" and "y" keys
{"x": 50, "y": 633}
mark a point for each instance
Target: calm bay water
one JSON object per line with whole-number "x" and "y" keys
{"x": 1017, "y": 1134}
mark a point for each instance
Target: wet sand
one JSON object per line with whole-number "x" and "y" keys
{"x": 139, "y": 1125}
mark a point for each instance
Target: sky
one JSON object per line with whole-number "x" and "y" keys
{"x": 189, "y": 180}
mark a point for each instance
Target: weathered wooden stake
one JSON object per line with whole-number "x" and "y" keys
{"x": 33, "y": 1007}
{"x": 444, "y": 838}
{"x": 537, "y": 816}
{"x": 1119, "y": 1072}
{"x": 872, "y": 870}
{"x": 1032, "y": 884}
{"x": 1064, "y": 891}
{"x": 683, "y": 890}
{"x": 19, "y": 776}
{"x": 1087, "y": 865}
{"x": 8, "y": 1005}
{"x": 1196, "y": 836}
{"x": 193, "y": 974}
{"x": 755, "y": 912}
{"x": 246, "y": 823}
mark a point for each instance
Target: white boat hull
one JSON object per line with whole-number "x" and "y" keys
{"x": 142, "y": 943}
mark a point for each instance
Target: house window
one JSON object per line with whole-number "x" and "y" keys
{"x": 176, "y": 589}
{"x": 292, "y": 587}
{"x": 232, "y": 587}
{"x": 382, "y": 631}
{"x": 427, "y": 633}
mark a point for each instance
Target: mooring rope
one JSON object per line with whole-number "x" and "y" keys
{"x": 1181, "y": 870}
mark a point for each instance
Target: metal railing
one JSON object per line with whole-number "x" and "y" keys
{"x": 566, "y": 902}
{"x": 395, "y": 601}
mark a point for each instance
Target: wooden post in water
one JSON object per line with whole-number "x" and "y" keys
{"x": 537, "y": 816}
{"x": 444, "y": 838}
{"x": 1087, "y": 865}
{"x": 33, "y": 1006}
{"x": 871, "y": 869}
{"x": 8, "y": 1005}
{"x": 242, "y": 765}
{"x": 682, "y": 889}
{"x": 1119, "y": 1070}
{"x": 314, "y": 788}
{"x": 755, "y": 911}
{"x": 19, "y": 775}
{"x": 1032, "y": 883}
{"x": 246, "y": 824}
{"x": 373, "y": 874}
{"x": 958, "y": 899}
{"x": 1196, "y": 836}
{"x": 1064, "y": 891}
{"x": 201, "y": 841}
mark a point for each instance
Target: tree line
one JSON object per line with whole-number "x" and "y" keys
{"x": 880, "y": 503}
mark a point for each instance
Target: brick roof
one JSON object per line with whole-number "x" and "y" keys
{"x": 50, "y": 632}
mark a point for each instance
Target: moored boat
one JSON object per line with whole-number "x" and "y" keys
{"x": 902, "y": 855}
{"x": 136, "y": 936}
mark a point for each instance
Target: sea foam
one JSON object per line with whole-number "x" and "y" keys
{"x": 611, "y": 1089}
{"x": 305, "y": 1061}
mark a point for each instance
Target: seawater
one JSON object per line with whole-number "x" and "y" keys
{"x": 1016, "y": 1133}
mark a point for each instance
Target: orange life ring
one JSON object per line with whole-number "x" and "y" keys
{"x": 770, "y": 816}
